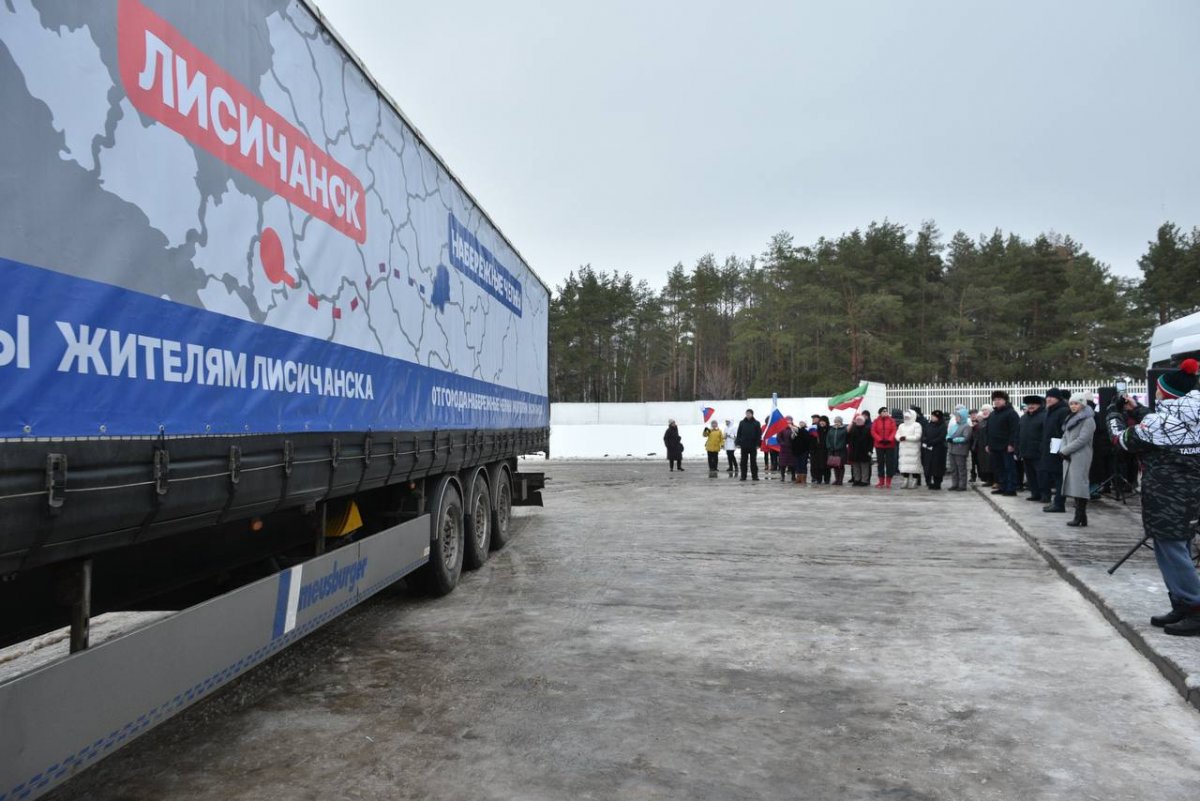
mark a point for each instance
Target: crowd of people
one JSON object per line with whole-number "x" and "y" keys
{"x": 1060, "y": 447}
{"x": 1049, "y": 450}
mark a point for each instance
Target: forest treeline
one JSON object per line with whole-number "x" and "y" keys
{"x": 883, "y": 303}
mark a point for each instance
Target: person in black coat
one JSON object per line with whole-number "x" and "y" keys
{"x": 1029, "y": 444}
{"x": 820, "y": 450}
{"x": 933, "y": 449}
{"x": 923, "y": 421}
{"x": 1104, "y": 463}
{"x": 800, "y": 444}
{"x": 674, "y": 444}
{"x": 749, "y": 437}
{"x": 859, "y": 445}
{"x": 1003, "y": 430}
{"x": 1050, "y": 466}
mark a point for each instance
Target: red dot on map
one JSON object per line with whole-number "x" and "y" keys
{"x": 337, "y": 313}
{"x": 382, "y": 267}
{"x": 313, "y": 301}
{"x": 270, "y": 253}
{"x": 353, "y": 304}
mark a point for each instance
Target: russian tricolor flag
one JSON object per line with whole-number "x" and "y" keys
{"x": 774, "y": 426}
{"x": 708, "y": 412}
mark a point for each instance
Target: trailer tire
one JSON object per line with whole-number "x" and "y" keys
{"x": 478, "y": 531}
{"x": 501, "y": 507}
{"x": 440, "y": 576}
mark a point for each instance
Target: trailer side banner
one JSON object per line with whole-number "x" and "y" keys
{"x": 213, "y": 223}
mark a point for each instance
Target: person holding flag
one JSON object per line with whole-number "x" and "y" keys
{"x": 714, "y": 440}
{"x": 787, "y": 458}
{"x": 776, "y": 424}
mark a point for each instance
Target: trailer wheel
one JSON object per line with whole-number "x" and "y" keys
{"x": 441, "y": 574}
{"x": 502, "y": 509}
{"x": 479, "y": 523}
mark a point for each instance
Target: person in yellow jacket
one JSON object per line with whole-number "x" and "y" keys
{"x": 714, "y": 441}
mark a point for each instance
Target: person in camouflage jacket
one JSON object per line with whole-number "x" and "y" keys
{"x": 1168, "y": 442}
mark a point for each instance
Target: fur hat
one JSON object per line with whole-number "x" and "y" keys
{"x": 1055, "y": 392}
{"x": 1029, "y": 399}
{"x": 1178, "y": 383}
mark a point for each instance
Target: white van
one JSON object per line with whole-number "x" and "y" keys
{"x": 1175, "y": 341}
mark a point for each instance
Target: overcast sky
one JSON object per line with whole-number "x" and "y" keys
{"x": 634, "y": 135}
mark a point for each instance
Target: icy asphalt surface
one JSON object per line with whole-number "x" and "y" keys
{"x": 650, "y": 635}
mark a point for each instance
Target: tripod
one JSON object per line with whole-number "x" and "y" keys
{"x": 1145, "y": 541}
{"x": 1120, "y": 485}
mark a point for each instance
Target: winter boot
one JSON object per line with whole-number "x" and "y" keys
{"x": 880, "y": 484}
{"x": 888, "y": 482}
{"x": 1080, "y": 520}
{"x": 1057, "y": 504}
{"x": 1178, "y": 612}
{"x": 1188, "y": 626}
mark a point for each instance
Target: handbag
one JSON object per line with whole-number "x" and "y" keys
{"x": 833, "y": 461}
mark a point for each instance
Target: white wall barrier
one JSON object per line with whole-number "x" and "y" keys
{"x": 635, "y": 430}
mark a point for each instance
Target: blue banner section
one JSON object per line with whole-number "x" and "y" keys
{"x": 480, "y": 265}
{"x": 83, "y": 358}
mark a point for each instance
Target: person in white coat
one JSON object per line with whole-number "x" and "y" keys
{"x": 731, "y": 446}
{"x": 908, "y": 434}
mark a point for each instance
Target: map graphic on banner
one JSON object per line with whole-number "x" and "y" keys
{"x": 240, "y": 170}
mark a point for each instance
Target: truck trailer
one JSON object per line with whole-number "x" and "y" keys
{"x": 261, "y": 355}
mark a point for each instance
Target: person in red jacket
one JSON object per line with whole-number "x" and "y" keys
{"x": 883, "y": 431}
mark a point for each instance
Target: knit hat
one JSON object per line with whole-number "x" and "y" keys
{"x": 1178, "y": 383}
{"x": 1078, "y": 397}
{"x": 1055, "y": 392}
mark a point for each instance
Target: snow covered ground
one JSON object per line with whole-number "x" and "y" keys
{"x": 23, "y": 657}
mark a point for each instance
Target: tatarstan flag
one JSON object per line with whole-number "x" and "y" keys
{"x": 849, "y": 400}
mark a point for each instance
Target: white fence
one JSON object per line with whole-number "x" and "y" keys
{"x": 947, "y": 396}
